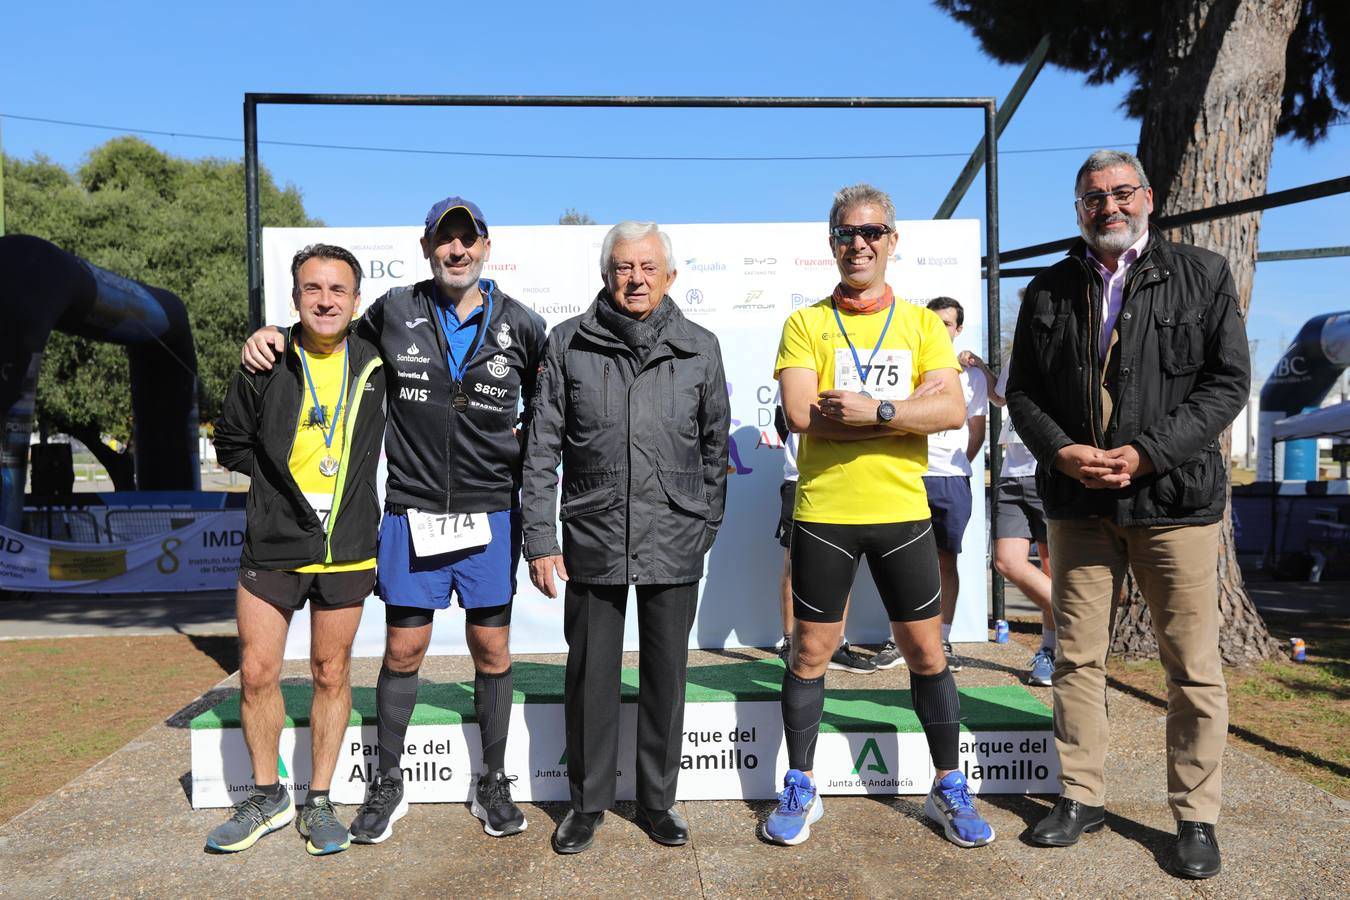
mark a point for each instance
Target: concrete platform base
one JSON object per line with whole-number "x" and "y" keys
{"x": 127, "y": 828}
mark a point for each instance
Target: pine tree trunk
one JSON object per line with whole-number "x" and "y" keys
{"x": 1207, "y": 135}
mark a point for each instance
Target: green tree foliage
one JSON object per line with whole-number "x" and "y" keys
{"x": 571, "y": 217}
{"x": 172, "y": 223}
{"x": 1107, "y": 39}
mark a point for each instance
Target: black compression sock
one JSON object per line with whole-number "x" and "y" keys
{"x": 939, "y": 709}
{"x": 395, "y": 697}
{"x": 803, "y": 701}
{"x": 492, "y": 706}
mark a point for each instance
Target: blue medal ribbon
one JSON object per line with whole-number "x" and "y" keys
{"x": 314, "y": 396}
{"x": 448, "y": 327}
{"x": 863, "y": 370}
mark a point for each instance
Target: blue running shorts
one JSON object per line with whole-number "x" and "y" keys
{"x": 481, "y": 577}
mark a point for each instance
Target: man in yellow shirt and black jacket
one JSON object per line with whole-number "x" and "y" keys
{"x": 307, "y": 432}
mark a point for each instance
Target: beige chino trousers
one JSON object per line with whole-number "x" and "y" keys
{"x": 1175, "y": 569}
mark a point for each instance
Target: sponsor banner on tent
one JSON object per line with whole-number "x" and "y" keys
{"x": 741, "y": 281}
{"x": 731, "y": 751}
{"x": 202, "y": 555}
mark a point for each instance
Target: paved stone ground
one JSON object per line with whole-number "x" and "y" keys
{"x": 126, "y": 828}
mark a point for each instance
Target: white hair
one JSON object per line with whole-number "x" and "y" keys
{"x": 634, "y": 231}
{"x": 1109, "y": 159}
{"x": 862, "y": 195}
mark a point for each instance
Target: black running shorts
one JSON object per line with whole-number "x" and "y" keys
{"x": 902, "y": 557}
{"x": 290, "y": 590}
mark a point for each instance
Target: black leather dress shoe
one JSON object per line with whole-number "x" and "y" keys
{"x": 665, "y": 826}
{"x": 1197, "y": 851}
{"x": 577, "y": 831}
{"x": 1066, "y": 822}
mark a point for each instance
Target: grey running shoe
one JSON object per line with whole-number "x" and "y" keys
{"x": 492, "y": 804}
{"x": 889, "y": 656}
{"x": 846, "y": 659}
{"x": 384, "y": 806}
{"x": 319, "y": 823}
{"x": 251, "y": 819}
{"x": 953, "y": 661}
{"x": 1042, "y": 667}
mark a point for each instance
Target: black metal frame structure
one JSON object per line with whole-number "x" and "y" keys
{"x": 988, "y": 104}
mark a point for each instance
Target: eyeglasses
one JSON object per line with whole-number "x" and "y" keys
{"x": 1095, "y": 200}
{"x": 845, "y": 234}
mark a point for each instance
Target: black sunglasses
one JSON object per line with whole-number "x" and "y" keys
{"x": 845, "y": 234}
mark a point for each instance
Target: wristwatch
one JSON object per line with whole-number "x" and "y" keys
{"x": 885, "y": 412}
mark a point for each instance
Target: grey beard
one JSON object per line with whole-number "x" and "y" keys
{"x": 1114, "y": 243}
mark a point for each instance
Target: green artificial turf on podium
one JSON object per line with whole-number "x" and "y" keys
{"x": 1008, "y": 708}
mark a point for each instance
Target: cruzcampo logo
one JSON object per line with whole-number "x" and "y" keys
{"x": 870, "y": 750}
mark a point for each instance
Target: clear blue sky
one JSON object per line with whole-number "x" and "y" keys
{"x": 180, "y": 68}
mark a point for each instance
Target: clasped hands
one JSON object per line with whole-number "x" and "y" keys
{"x": 1100, "y": 469}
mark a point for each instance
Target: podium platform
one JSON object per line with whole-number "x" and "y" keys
{"x": 870, "y": 740}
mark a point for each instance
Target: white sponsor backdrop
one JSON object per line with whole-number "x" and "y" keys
{"x": 731, "y": 750}
{"x": 741, "y": 282}
{"x": 201, "y": 556}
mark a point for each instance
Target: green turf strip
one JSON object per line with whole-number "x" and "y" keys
{"x": 1008, "y": 708}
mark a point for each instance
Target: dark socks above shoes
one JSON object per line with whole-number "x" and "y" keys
{"x": 395, "y": 697}
{"x": 272, "y": 792}
{"x": 492, "y": 706}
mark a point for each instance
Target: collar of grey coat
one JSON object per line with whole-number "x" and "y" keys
{"x": 605, "y": 325}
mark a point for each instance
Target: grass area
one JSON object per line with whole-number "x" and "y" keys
{"x": 1294, "y": 715}
{"x": 69, "y": 703}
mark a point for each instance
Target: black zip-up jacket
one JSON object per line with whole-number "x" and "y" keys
{"x": 1181, "y": 376}
{"x": 254, "y": 436}
{"x": 441, "y": 460}
{"x": 643, "y": 450}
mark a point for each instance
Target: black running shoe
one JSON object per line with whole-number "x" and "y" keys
{"x": 384, "y": 806}
{"x": 953, "y": 661}
{"x": 846, "y": 659}
{"x": 492, "y": 804}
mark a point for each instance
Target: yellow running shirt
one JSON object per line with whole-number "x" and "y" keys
{"x": 880, "y": 480}
{"x": 309, "y": 449}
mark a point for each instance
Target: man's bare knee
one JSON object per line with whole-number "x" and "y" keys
{"x": 258, "y": 673}
{"x": 330, "y": 672}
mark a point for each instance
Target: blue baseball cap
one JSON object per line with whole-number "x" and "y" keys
{"x": 442, "y": 209}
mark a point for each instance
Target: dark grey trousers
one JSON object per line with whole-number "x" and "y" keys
{"x": 593, "y": 617}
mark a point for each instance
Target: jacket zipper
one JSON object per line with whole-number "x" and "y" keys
{"x": 606, "y": 400}
{"x": 340, "y": 484}
{"x": 1091, "y": 385}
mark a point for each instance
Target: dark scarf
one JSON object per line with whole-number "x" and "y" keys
{"x": 639, "y": 336}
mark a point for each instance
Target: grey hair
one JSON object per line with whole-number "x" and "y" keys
{"x": 1109, "y": 159}
{"x": 634, "y": 231}
{"x": 862, "y": 195}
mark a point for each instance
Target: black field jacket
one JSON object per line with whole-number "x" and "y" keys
{"x": 254, "y": 436}
{"x": 643, "y": 450}
{"x": 1180, "y": 378}
{"x": 441, "y": 460}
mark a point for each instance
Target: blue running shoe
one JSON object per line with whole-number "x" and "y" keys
{"x": 1042, "y": 667}
{"x": 949, "y": 805}
{"x": 798, "y": 808}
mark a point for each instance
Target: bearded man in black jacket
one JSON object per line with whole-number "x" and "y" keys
{"x": 1131, "y": 361}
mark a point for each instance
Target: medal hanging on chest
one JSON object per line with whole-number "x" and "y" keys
{"x": 459, "y": 401}
{"x": 328, "y": 466}
{"x": 863, "y": 370}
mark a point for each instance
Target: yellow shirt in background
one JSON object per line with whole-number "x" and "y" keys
{"x": 879, "y": 480}
{"x": 309, "y": 448}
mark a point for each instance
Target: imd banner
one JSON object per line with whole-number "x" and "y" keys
{"x": 200, "y": 556}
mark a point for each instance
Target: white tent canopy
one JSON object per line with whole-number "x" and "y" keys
{"x": 1330, "y": 421}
